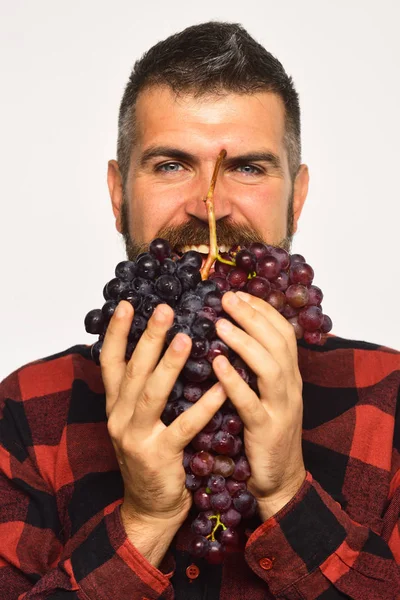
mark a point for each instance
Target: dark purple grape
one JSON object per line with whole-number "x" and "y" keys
{"x": 217, "y": 347}
{"x": 197, "y": 370}
{"x": 205, "y": 287}
{"x": 259, "y": 287}
{"x": 315, "y": 295}
{"x": 326, "y": 324}
{"x": 251, "y": 511}
{"x": 298, "y": 329}
{"x": 222, "y": 268}
{"x": 168, "y": 287}
{"x": 95, "y": 352}
{"x": 191, "y": 301}
{"x": 246, "y": 260}
{"x": 149, "y": 303}
{"x": 243, "y": 373}
{"x": 106, "y": 295}
{"x": 215, "y": 554}
{"x": 215, "y": 422}
{"x": 268, "y": 267}
{"x": 203, "y": 327}
{"x": 312, "y": 337}
{"x": 125, "y": 270}
{"x": 200, "y": 347}
{"x": 223, "y": 465}
{"x": 169, "y": 413}
{"x": 223, "y": 442}
{"x": 160, "y": 249}
{"x": 231, "y": 517}
{"x": 187, "y": 456}
{"x": 184, "y": 316}
{"x": 297, "y": 295}
{"x": 232, "y": 423}
{"x": 311, "y": 318}
{"x": 221, "y": 501}
{"x": 242, "y": 469}
{"x": 301, "y": 273}
{"x": 168, "y": 267}
{"x": 180, "y": 406}
{"x": 289, "y": 311}
{"x": 199, "y": 546}
{"x": 276, "y": 299}
{"x": 192, "y": 392}
{"x": 202, "y": 441}
{"x": 237, "y": 446}
{"x": 202, "y": 463}
{"x": 132, "y": 297}
{"x": 208, "y": 313}
{"x": 191, "y": 259}
{"x": 202, "y": 499}
{"x": 115, "y": 287}
{"x": 281, "y": 282}
{"x": 281, "y": 256}
{"x": 143, "y": 286}
{"x": 258, "y": 249}
{"x": 222, "y": 283}
{"x": 243, "y": 502}
{"x": 237, "y": 278}
{"x": 188, "y": 276}
{"x": 297, "y": 258}
{"x": 193, "y": 482}
{"x": 213, "y": 300}
{"x": 94, "y": 321}
{"x": 176, "y": 392}
{"x": 130, "y": 347}
{"x": 216, "y": 483}
{"x": 229, "y": 537}
{"x": 174, "y": 330}
{"x": 235, "y": 487}
{"x": 138, "y": 325}
{"x": 147, "y": 266}
{"x": 108, "y": 309}
{"x": 201, "y": 525}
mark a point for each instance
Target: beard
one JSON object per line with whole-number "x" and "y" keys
{"x": 195, "y": 232}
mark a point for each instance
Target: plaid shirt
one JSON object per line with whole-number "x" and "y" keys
{"x": 61, "y": 536}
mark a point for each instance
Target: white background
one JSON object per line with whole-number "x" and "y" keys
{"x": 64, "y": 66}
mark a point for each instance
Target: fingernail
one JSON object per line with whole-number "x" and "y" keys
{"x": 179, "y": 342}
{"x": 160, "y": 313}
{"x": 232, "y": 299}
{"x": 224, "y": 326}
{"x": 120, "y": 311}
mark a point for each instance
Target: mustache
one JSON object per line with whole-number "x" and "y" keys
{"x": 196, "y": 232}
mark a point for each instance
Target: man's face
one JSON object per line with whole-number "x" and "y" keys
{"x": 177, "y": 143}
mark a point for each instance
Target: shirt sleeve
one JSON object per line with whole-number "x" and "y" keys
{"x": 37, "y": 560}
{"x": 312, "y": 549}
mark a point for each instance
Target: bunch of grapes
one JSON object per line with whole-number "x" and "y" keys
{"x": 215, "y": 463}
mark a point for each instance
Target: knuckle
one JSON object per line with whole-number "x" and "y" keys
{"x": 112, "y": 427}
{"x": 186, "y": 428}
{"x": 131, "y": 371}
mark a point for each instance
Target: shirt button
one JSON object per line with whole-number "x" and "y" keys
{"x": 193, "y": 571}
{"x": 266, "y": 564}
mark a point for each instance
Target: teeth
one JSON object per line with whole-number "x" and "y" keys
{"x": 202, "y": 248}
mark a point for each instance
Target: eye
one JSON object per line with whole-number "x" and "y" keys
{"x": 249, "y": 169}
{"x": 169, "y": 167}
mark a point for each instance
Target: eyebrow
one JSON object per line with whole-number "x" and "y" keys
{"x": 265, "y": 156}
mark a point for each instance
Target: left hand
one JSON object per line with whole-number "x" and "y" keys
{"x": 273, "y": 421}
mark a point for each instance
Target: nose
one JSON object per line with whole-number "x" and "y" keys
{"x": 195, "y": 205}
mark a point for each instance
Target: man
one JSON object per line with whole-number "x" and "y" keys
{"x": 93, "y": 503}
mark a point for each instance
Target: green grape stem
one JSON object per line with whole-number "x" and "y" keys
{"x": 217, "y": 524}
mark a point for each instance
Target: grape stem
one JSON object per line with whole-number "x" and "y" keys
{"x": 217, "y": 524}
{"x": 213, "y": 254}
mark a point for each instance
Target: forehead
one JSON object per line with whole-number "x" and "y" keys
{"x": 209, "y": 122}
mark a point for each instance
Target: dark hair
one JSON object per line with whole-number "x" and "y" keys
{"x": 210, "y": 58}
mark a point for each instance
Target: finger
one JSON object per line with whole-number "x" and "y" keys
{"x": 158, "y": 386}
{"x": 112, "y": 355}
{"x": 185, "y": 427}
{"x": 264, "y": 326}
{"x": 247, "y": 403}
{"x": 143, "y": 360}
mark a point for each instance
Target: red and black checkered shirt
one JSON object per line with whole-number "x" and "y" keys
{"x": 61, "y": 536}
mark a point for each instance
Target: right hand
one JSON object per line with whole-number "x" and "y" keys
{"x": 150, "y": 453}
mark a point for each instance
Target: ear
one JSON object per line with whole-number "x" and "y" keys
{"x": 114, "y": 181}
{"x": 300, "y": 193}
